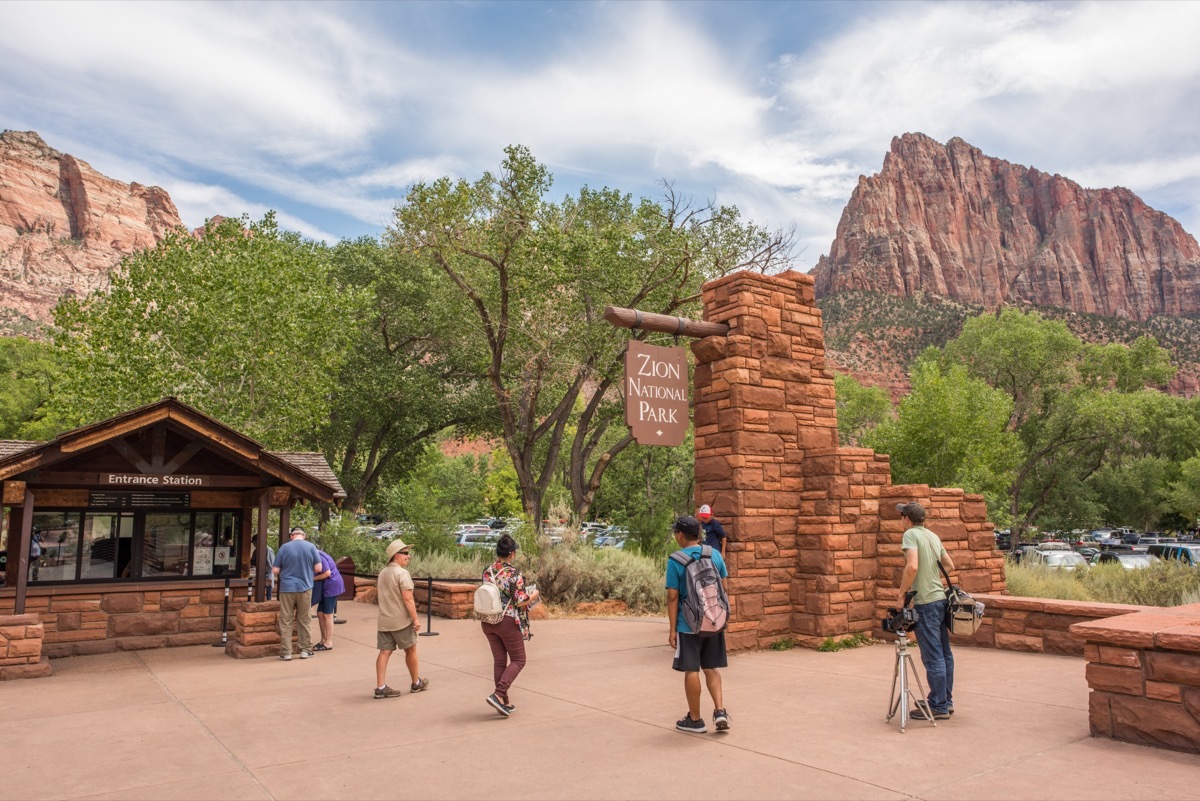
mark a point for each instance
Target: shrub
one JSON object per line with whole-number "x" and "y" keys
{"x": 567, "y": 575}
{"x": 1168, "y": 583}
{"x": 1165, "y": 583}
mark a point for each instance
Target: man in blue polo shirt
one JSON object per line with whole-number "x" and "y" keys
{"x": 295, "y": 564}
{"x": 694, "y": 653}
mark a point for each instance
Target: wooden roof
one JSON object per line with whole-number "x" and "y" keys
{"x": 308, "y": 473}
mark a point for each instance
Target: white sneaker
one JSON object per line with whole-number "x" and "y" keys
{"x": 305, "y": 654}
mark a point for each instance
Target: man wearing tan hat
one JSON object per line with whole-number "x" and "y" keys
{"x": 714, "y": 532}
{"x": 398, "y": 624}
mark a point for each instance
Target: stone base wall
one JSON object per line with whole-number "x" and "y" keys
{"x": 450, "y": 600}
{"x": 21, "y": 648}
{"x": 1144, "y": 672}
{"x": 255, "y": 631}
{"x": 92, "y": 620}
{"x": 1038, "y": 625}
{"x": 814, "y": 547}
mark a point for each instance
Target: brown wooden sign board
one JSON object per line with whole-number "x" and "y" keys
{"x": 656, "y": 393}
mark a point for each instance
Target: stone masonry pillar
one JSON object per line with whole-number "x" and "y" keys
{"x": 815, "y": 538}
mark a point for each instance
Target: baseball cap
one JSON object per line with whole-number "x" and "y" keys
{"x": 705, "y": 511}
{"x": 395, "y": 546}
{"x": 296, "y": 530}
{"x": 687, "y": 525}
{"x": 913, "y": 511}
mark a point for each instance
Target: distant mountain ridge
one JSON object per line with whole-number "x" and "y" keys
{"x": 64, "y": 227}
{"x": 948, "y": 220}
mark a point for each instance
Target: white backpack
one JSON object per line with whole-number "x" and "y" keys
{"x": 489, "y": 606}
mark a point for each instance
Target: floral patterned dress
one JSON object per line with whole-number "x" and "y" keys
{"x": 512, "y": 592}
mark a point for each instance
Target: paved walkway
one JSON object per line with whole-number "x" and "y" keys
{"x": 595, "y": 720}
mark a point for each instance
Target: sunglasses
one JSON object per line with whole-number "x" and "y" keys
{"x": 402, "y": 553}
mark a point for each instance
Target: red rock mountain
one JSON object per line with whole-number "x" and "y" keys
{"x": 64, "y": 226}
{"x": 948, "y": 220}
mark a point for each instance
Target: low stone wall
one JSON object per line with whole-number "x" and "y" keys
{"x": 95, "y": 620}
{"x": 1144, "y": 672}
{"x": 450, "y": 600}
{"x": 21, "y": 648}
{"x": 1038, "y": 625}
{"x": 255, "y": 631}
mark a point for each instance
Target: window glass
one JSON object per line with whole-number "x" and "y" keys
{"x": 166, "y": 545}
{"x": 216, "y": 544}
{"x": 107, "y": 550}
{"x": 54, "y": 549}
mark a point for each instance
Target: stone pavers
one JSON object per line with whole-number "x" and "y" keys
{"x": 595, "y": 719}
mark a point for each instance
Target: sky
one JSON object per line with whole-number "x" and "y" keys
{"x": 328, "y": 112}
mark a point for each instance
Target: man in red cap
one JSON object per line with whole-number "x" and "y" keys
{"x": 714, "y": 532}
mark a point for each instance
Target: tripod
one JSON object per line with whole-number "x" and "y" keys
{"x": 901, "y": 691}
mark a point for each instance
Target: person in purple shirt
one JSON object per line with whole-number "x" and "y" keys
{"x": 327, "y": 586}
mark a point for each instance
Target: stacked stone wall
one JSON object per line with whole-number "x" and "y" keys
{"x": 21, "y": 648}
{"x": 815, "y": 538}
{"x": 90, "y": 620}
{"x": 255, "y": 631}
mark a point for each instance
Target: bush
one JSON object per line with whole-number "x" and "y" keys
{"x": 1168, "y": 583}
{"x": 568, "y": 576}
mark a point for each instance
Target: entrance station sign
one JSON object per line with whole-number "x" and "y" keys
{"x": 656, "y": 393}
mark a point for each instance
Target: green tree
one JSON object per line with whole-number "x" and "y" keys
{"x": 1184, "y": 493}
{"x": 532, "y": 279}
{"x": 1074, "y": 406}
{"x": 29, "y": 374}
{"x": 405, "y": 379}
{"x": 246, "y": 322}
{"x": 859, "y": 408}
{"x": 951, "y": 431}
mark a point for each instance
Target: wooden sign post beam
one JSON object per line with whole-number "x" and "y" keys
{"x": 663, "y": 323}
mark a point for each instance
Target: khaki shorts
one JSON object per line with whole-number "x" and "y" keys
{"x": 403, "y": 639}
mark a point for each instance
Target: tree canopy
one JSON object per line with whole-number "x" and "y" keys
{"x": 532, "y": 279}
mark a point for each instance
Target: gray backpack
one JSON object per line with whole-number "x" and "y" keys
{"x": 705, "y": 607}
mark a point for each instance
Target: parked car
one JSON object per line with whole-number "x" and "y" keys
{"x": 1188, "y": 554}
{"x": 1127, "y": 559}
{"x": 1130, "y": 537}
{"x": 1054, "y": 545}
{"x": 476, "y": 539}
{"x": 1089, "y": 553}
{"x": 1058, "y": 560}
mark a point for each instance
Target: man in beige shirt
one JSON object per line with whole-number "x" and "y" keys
{"x": 398, "y": 624}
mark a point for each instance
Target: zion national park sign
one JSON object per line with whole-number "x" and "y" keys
{"x": 656, "y": 393}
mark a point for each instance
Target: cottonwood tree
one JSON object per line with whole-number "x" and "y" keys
{"x": 405, "y": 380}
{"x": 246, "y": 322}
{"x": 533, "y": 278}
{"x": 28, "y": 374}
{"x": 1074, "y": 406}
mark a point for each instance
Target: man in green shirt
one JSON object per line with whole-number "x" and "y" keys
{"x": 922, "y": 551}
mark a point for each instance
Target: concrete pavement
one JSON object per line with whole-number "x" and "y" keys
{"x": 596, "y": 707}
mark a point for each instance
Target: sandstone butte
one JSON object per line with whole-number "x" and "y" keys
{"x": 948, "y": 220}
{"x": 64, "y": 226}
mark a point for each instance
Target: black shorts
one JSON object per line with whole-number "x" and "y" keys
{"x": 694, "y": 653}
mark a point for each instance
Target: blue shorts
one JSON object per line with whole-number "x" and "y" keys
{"x": 326, "y": 606}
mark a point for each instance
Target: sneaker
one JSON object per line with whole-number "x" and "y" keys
{"x": 919, "y": 714}
{"x": 950, "y": 710}
{"x": 721, "y": 720}
{"x": 495, "y": 704}
{"x": 693, "y": 726}
{"x": 420, "y": 685}
{"x": 387, "y": 692}
{"x": 286, "y": 657}
{"x": 306, "y": 654}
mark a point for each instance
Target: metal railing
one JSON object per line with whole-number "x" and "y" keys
{"x": 428, "y": 632}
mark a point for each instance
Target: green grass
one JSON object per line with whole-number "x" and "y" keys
{"x": 853, "y": 641}
{"x": 1169, "y": 583}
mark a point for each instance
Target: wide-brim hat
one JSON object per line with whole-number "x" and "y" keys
{"x": 394, "y": 547}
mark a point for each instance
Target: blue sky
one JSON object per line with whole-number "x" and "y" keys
{"x": 326, "y": 112}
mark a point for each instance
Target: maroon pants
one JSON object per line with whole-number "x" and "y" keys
{"x": 508, "y": 651}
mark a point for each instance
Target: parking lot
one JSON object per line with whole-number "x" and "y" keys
{"x": 595, "y": 717}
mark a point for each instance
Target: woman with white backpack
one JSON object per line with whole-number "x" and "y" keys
{"x": 502, "y": 605}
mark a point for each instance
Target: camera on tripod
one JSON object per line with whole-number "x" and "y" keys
{"x": 899, "y": 621}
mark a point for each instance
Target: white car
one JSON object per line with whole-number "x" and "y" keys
{"x": 1058, "y": 560}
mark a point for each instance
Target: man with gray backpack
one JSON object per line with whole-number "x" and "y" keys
{"x": 698, "y": 611}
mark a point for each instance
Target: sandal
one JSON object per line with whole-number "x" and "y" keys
{"x": 322, "y": 647}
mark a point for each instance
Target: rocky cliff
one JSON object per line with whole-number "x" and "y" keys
{"x": 949, "y": 221}
{"x": 64, "y": 226}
